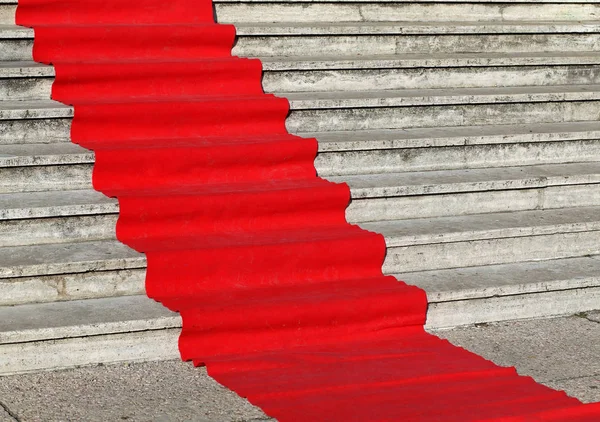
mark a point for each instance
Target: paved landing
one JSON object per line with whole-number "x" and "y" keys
{"x": 563, "y": 353}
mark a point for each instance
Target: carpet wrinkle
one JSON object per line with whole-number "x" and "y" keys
{"x": 281, "y": 298}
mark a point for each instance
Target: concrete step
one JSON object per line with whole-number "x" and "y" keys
{"x": 398, "y": 150}
{"x": 16, "y": 42}
{"x": 391, "y": 38}
{"x": 365, "y": 140}
{"x": 8, "y": 9}
{"x": 67, "y": 258}
{"x": 374, "y": 38}
{"x": 68, "y": 271}
{"x": 35, "y": 121}
{"x": 399, "y": 73}
{"x": 389, "y": 109}
{"x": 36, "y": 218}
{"x": 242, "y": 11}
{"x": 371, "y": 110}
{"x": 67, "y": 334}
{"x": 44, "y": 167}
{"x": 523, "y": 290}
{"x": 488, "y": 239}
{"x": 458, "y": 157}
{"x": 395, "y": 196}
{"x": 49, "y": 336}
{"x": 401, "y": 150}
{"x": 25, "y": 80}
{"x": 28, "y": 80}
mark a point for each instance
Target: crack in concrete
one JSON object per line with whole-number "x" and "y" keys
{"x": 585, "y": 316}
{"x": 9, "y": 412}
{"x": 573, "y": 378}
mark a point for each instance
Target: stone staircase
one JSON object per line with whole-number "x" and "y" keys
{"x": 468, "y": 133}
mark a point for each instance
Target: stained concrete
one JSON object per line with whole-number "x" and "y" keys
{"x": 155, "y": 391}
{"x": 562, "y": 353}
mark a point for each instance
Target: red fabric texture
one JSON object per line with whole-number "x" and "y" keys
{"x": 281, "y": 298}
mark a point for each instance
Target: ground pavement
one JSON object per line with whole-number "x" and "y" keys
{"x": 563, "y": 353}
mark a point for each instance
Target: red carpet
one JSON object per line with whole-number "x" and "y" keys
{"x": 282, "y": 299}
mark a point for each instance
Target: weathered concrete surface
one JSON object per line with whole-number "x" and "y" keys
{"x": 157, "y": 391}
{"x": 563, "y": 353}
{"x": 5, "y": 416}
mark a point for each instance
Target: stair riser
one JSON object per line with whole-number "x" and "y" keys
{"x": 438, "y": 116}
{"x": 7, "y": 14}
{"x": 459, "y": 77}
{"x": 37, "y": 231}
{"x": 373, "y": 79}
{"x": 111, "y": 263}
{"x": 26, "y": 88}
{"x": 91, "y": 285}
{"x": 16, "y": 49}
{"x": 485, "y": 201}
{"x": 506, "y": 308}
{"x": 129, "y": 347}
{"x": 347, "y": 45}
{"x": 45, "y": 178}
{"x": 460, "y": 157}
{"x": 488, "y": 252}
{"x": 79, "y": 176}
{"x": 357, "y": 12}
{"x": 34, "y": 131}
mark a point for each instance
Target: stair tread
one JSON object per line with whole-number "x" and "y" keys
{"x": 66, "y": 258}
{"x": 454, "y": 136}
{"x": 24, "y": 69}
{"x": 379, "y": 1}
{"x": 8, "y": 31}
{"x": 14, "y": 155}
{"x": 55, "y": 203}
{"x": 32, "y": 69}
{"x": 440, "y": 96}
{"x": 486, "y": 226}
{"x": 33, "y": 109}
{"x": 430, "y": 60}
{"x": 15, "y": 31}
{"x": 415, "y": 28}
{"x": 65, "y": 152}
{"x": 506, "y": 279}
{"x": 469, "y": 180}
{"x": 79, "y": 318}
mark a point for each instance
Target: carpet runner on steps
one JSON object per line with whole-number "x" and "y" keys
{"x": 281, "y": 298}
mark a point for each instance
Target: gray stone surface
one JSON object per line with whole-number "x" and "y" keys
{"x": 81, "y": 318}
{"x": 294, "y": 44}
{"x": 506, "y": 279}
{"x": 470, "y": 114}
{"x": 156, "y": 391}
{"x": 35, "y": 109}
{"x": 563, "y": 353}
{"x": 394, "y": 10}
{"x": 53, "y": 204}
{"x": 487, "y": 226}
{"x": 469, "y": 180}
{"x": 455, "y": 157}
{"x": 4, "y": 415}
{"x": 423, "y": 97}
{"x": 455, "y": 136}
{"x": 447, "y": 60}
{"x": 339, "y": 27}
{"x": 594, "y": 316}
{"x": 65, "y": 258}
